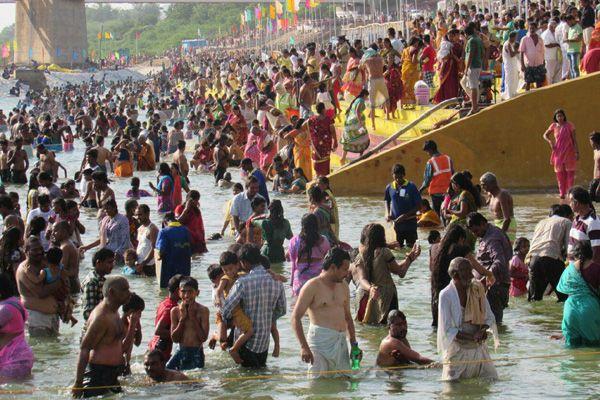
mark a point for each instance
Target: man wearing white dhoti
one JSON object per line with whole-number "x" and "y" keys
{"x": 326, "y": 298}
{"x": 464, "y": 318}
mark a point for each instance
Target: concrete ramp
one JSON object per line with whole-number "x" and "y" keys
{"x": 505, "y": 138}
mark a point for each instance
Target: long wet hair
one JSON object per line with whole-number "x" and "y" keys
{"x": 276, "y": 213}
{"x": 464, "y": 183}
{"x": 309, "y": 237}
{"x": 454, "y": 233}
{"x": 363, "y": 93}
{"x": 372, "y": 238}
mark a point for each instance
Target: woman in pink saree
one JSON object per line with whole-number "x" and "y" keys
{"x": 16, "y": 357}
{"x": 564, "y": 151}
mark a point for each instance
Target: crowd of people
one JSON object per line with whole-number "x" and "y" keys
{"x": 274, "y": 119}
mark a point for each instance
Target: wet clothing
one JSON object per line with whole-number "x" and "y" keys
{"x": 101, "y": 379}
{"x": 187, "y": 358}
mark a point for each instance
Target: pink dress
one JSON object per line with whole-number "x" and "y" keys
{"x": 563, "y": 157}
{"x": 16, "y": 357}
{"x": 519, "y": 275}
{"x": 252, "y": 150}
{"x": 302, "y": 271}
{"x": 266, "y": 155}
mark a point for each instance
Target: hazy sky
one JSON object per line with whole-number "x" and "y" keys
{"x": 7, "y": 13}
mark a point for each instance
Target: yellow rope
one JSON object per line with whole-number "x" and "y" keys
{"x": 297, "y": 374}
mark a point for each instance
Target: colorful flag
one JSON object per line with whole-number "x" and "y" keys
{"x": 242, "y": 19}
{"x": 271, "y": 11}
{"x": 99, "y": 35}
{"x": 257, "y": 13}
{"x": 138, "y": 35}
{"x": 15, "y": 45}
{"x": 290, "y": 6}
{"x": 5, "y": 51}
{"x": 107, "y": 35}
{"x": 278, "y": 7}
{"x": 307, "y": 3}
{"x": 248, "y": 15}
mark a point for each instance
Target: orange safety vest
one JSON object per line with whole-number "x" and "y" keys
{"x": 442, "y": 172}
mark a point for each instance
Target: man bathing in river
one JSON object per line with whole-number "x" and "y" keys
{"x": 394, "y": 348}
{"x": 326, "y": 298}
{"x": 101, "y": 360}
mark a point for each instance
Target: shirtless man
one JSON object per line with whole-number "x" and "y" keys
{"x": 101, "y": 359}
{"x": 103, "y": 154}
{"x": 180, "y": 159}
{"x": 48, "y": 162}
{"x": 373, "y": 64}
{"x": 221, "y": 158}
{"x": 500, "y": 204}
{"x": 4, "y": 168}
{"x": 308, "y": 96}
{"x": 18, "y": 162}
{"x": 154, "y": 364}
{"x": 327, "y": 300}
{"x": 595, "y": 183}
{"x": 189, "y": 328}
{"x": 394, "y": 348}
{"x": 60, "y": 236}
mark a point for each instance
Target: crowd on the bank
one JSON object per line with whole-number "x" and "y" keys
{"x": 274, "y": 118}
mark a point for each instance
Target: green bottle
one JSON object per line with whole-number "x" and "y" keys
{"x": 355, "y": 356}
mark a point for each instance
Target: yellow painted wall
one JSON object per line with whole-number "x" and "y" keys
{"x": 505, "y": 139}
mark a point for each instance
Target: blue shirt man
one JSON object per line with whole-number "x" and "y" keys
{"x": 173, "y": 243}
{"x": 247, "y": 166}
{"x": 402, "y": 201}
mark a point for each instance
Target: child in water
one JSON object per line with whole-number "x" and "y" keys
{"x": 52, "y": 273}
{"x": 519, "y": 273}
{"x": 189, "y": 328}
{"x": 135, "y": 305}
{"x": 231, "y": 272}
{"x": 428, "y": 218}
{"x": 135, "y": 192}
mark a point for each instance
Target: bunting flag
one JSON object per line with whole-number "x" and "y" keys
{"x": 307, "y": 3}
{"x": 138, "y": 35}
{"x": 278, "y": 7}
{"x": 99, "y": 35}
{"x": 107, "y": 35}
{"x": 5, "y": 51}
{"x": 290, "y": 6}
{"x": 272, "y": 11}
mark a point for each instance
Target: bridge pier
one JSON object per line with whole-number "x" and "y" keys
{"x": 51, "y": 31}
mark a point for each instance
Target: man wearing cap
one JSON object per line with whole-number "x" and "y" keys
{"x": 438, "y": 171}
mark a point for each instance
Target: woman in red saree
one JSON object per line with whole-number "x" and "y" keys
{"x": 240, "y": 128}
{"x": 323, "y": 140}
{"x": 179, "y": 182}
{"x": 393, "y": 81}
{"x": 450, "y": 54}
{"x": 354, "y": 76}
{"x": 190, "y": 216}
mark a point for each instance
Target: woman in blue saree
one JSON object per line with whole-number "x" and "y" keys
{"x": 581, "y": 314}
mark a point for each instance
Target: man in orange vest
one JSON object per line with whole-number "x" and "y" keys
{"x": 438, "y": 172}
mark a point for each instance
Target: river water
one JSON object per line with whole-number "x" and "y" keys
{"x": 525, "y": 333}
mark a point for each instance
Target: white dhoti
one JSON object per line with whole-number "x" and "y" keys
{"x": 468, "y": 360}
{"x": 378, "y": 93}
{"x": 329, "y": 348}
{"x": 566, "y": 69}
{"x": 553, "y": 71}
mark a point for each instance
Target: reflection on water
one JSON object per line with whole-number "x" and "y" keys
{"x": 528, "y": 326}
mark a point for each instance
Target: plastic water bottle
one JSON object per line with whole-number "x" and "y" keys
{"x": 355, "y": 357}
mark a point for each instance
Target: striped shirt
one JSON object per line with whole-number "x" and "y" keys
{"x": 585, "y": 228}
{"x": 262, "y": 299}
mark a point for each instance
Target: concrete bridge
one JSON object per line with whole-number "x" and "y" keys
{"x": 55, "y": 31}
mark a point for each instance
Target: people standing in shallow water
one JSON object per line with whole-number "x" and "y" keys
{"x": 372, "y": 273}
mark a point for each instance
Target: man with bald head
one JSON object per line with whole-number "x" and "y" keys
{"x": 101, "y": 360}
{"x": 500, "y": 204}
{"x": 464, "y": 318}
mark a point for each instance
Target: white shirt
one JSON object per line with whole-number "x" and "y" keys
{"x": 550, "y": 54}
{"x": 37, "y": 212}
{"x": 560, "y": 32}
